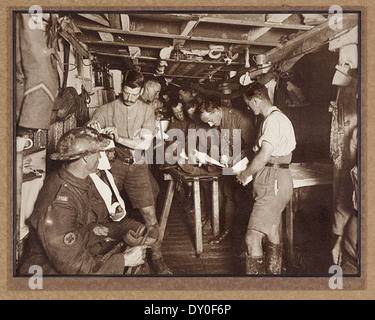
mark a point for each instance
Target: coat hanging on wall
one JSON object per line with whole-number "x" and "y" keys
{"x": 41, "y": 83}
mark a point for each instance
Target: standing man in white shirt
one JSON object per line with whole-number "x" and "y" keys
{"x": 272, "y": 186}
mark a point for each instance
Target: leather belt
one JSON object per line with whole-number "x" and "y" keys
{"x": 278, "y": 165}
{"x": 128, "y": 161}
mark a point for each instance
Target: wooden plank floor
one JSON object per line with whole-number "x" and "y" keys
{"x": 312, "y": 238}
{"x": 179, "y": 247}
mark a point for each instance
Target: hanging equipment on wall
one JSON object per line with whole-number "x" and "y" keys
{"x": 246, "y": 79}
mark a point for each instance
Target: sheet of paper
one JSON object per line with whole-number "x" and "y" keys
{"x": 205, "y": 158}
{"x": 240, "y": 166}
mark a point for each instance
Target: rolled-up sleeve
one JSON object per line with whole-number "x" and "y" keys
{"x": 271, "y": 132}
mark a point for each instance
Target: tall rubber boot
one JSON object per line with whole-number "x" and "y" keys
{"x": 274, "y": 254}
{"x": 254, "y": 265}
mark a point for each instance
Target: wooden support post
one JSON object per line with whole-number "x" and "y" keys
{"x": 198, "y": 217}
{"x": 114, "y": 21}
{"x": 167, "y": 205}
{"x": 215, "y": 207}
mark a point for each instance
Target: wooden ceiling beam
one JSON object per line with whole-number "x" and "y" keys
{"x": 172, "y": 69}
{"x": 96, "y": 18}
{"x": 257, "y": 33}
{"x": 206, "y": 62}
{"x": 185, "y": 68}
{"x": 118, "y": 55}
{"x": 181, "y": 76}
{"x": 269, "y": 24}
{"x": 158, "y": 44}
{"x": 114, "y": 20}
{"x": 166, "y": 16}
{"x": 186, "y": 28}
{"x": 122, "y": 45}
{"x": 216, "y": 20}
{"x": 178, "y": 37}
{"x": 310, "y": 40}
{"x": 197, "y": 71}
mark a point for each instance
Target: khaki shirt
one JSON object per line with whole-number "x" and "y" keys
{"x": 278, "y": 131}
{"x": 127, "y": 120}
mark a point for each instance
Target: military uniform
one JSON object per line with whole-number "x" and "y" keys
{"x": 61, "y": 239}
{"x": 235, "y": 195}
{"x": 273, "y": 185}
{"x": 272, "y": 189}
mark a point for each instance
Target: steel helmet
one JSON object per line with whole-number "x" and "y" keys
{"x": 79, "y": 142}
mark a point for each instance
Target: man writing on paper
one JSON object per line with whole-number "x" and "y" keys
{"x": 228, "y": 121}
{"x": 272, "y": 186}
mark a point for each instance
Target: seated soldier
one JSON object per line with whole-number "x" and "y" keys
{"x": 65, "y": 217}
{"x": 112, "y": 226}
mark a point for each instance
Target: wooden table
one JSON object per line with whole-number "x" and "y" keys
{"x": 174, "y": 175}
{"x": 304, "y": 175}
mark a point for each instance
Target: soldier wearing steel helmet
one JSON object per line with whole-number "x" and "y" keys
{"x": 65, "y": 215}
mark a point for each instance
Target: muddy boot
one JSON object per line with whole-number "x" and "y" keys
{"x": 254, "y": 265}
{"x": 158, "y": 263}
{"x": 274, "y": 253}
{"x": 160, "y": 267}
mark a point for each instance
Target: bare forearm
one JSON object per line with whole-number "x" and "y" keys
{"x": 139, "y": 144}
{"x": 256, "y": 165}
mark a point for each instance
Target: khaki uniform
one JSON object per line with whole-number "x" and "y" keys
{"x": 61, "y": 240}
{"x": 273, "y": 186}
{"x": 130, "y": 122}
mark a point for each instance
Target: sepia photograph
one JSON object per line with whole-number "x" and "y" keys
{"x": 166, "y": 145}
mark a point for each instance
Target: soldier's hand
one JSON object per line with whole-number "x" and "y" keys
{"x": 224, "y": 160}
{"x": 95, "y": 125}
{"x": 112, "y": 132}
{"x": 101, "y": 231}
{"x": 243, "y": 179}
{"x": 135, "y": 256}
